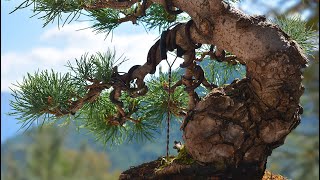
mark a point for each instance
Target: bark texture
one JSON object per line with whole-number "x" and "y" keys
{"x": 241, "y": 124}
{"x": 235, "y": 128}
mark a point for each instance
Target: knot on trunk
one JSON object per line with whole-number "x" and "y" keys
{"x": 243, "y": 122}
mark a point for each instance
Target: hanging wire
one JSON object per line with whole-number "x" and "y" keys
{"x": 169, "y": 100}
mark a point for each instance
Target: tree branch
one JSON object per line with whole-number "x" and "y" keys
{"x": 140, "y": 11}
{"x": 113, "y": 4}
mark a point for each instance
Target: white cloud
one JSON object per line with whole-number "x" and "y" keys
{"x": 67, "y": 44}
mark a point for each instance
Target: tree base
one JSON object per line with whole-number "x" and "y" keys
{"x": 177, "y": 171}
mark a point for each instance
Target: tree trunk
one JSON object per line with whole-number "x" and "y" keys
{"x": 234, "y": 129}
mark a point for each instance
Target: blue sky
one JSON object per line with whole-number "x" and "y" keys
{"x": 27, "y": 47}
{"x": 11, "y": 28}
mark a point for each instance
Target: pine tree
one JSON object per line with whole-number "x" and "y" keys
{"x": 229, "y": 132}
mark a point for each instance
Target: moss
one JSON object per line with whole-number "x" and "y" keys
{"x": 220, "y": 165}
{"x": 182, "y": 158}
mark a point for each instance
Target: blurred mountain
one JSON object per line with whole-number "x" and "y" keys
{"x": 46, "y": 158}
{"x": 9, "y": 126}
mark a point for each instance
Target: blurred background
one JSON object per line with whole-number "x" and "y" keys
{"x": 65, "y": 153}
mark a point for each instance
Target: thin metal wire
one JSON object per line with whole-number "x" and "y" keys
{"x": 169, "y": 100}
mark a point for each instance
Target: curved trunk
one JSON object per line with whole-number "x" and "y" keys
{"x": 234, "y": 129}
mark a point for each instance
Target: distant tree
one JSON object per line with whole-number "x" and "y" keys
{"x": 228, "y": 133}
{"x": 47, "y": 159}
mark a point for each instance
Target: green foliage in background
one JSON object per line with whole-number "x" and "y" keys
{"x": 48, "y": 159}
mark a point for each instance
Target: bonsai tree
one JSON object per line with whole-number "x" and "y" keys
{"x": 228, "y": 133}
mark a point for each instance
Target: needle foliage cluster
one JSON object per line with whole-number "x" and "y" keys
{"x": 104, "y": 20}
{"x": 298, "y": 30}
{"x": 39, "y": 94}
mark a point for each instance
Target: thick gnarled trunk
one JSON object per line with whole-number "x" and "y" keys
{"x": 234, "y": 129}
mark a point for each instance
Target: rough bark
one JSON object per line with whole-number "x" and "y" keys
{"x": 237, "y": 127}
{"x": 242, "y": 123}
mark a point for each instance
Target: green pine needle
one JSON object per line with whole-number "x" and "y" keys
{"x": 106, "y": 20}
{"x": 157, "y": 17}
{"x": 51, "y": 10}
{"x": 297, "y": 29}
{"x": 40, "y": 94}
{"x": 94, "y": 68}
{"x": 48, "y": 95}
{"x": 156, "y": 100}
{"x": 95, "y": 117}
{"x": 220, "y": 73}
{"x": 146, "y": 128}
